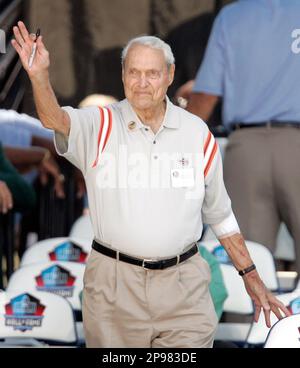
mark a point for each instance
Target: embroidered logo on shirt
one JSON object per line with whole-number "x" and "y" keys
{"x": 184, "y": 162}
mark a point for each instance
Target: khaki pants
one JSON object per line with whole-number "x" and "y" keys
{"x": 262, "y": 176}
{"x": 132, "y": 307}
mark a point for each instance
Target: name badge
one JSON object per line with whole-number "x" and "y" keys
{"x": 183, "y": 178}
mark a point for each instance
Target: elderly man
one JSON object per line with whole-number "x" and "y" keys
{"x": 153, "y": 174}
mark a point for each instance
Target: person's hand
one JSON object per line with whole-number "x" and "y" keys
{"x": 47, "y": 167}
{"x": 23, "y": 45}
{"x": 6, "y": 199}
{"x": 183, "y": 93}
{"x": 263, "y": 299}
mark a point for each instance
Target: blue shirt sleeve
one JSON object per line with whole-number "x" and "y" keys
{"x": 11, "y": 135}
{"x": 34, "y": 126}
{"x": 18, "y": 129}
{"x": 210, "y": 75}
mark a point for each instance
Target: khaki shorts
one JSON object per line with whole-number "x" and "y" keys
{"x": 132, "y": 307}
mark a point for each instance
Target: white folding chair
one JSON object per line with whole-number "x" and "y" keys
{"x": 285, "y": 333}
{"x": 61, "y": 278}
{"x": 82, "y": 228}
{"x": 285, "y": 251}
{"x": 259, "y": 331}
{"x": 260, "y": 255}
{"x": 238, "y": 300}
{"x": 285, "y": 247}
{"x": 34, "y": 318}
{"x": 66, "y": 249}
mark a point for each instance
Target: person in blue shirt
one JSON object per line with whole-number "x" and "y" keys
{"x": 20, "y": 129}
{"x": 252, "y": 63}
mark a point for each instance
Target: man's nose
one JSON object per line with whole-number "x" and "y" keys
{"x": 143, "y": 81}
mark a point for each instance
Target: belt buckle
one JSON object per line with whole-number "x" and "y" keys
{"x": 147, "y": 260}
{"x": 153, "y": 261}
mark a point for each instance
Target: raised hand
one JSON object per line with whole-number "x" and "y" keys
{"x": 48, "y": 109}
{"x": 23, "y": 44}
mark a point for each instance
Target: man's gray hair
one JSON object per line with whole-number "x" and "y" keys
{"x": 153, "y": 42}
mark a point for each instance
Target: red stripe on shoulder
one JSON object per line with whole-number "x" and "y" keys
{"x": 108, "y": 129}
{"x": 99, "y": 134}
{"x": 207, "y": 142}
{"x": 208, "y": 165}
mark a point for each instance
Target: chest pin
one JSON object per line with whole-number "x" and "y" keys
{"x": 131, "y": 125}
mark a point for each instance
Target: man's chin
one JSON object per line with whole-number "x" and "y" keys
{"x": 142, "y": 104}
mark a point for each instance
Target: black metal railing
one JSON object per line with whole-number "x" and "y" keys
{"x": 7, "y": 245}
{"x": 56, "y": 216}
{"x": 52, "y": 217}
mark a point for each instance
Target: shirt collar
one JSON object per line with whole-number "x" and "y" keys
{"x": 133, "y": 123}
{"x": 171, "y": 119}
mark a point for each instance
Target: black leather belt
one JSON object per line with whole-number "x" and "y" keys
{"x": 145, "y": 263}
{"x": 266, "y": 124}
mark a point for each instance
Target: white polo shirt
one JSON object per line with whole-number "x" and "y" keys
{"x": 149, "y": 194}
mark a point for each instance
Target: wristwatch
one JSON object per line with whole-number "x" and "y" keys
{"x": 246, "y": 270}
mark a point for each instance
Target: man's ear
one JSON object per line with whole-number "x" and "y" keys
{"x": 171, "y": 74}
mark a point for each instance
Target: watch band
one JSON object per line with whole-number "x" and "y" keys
{"x": 248, "y": 269}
